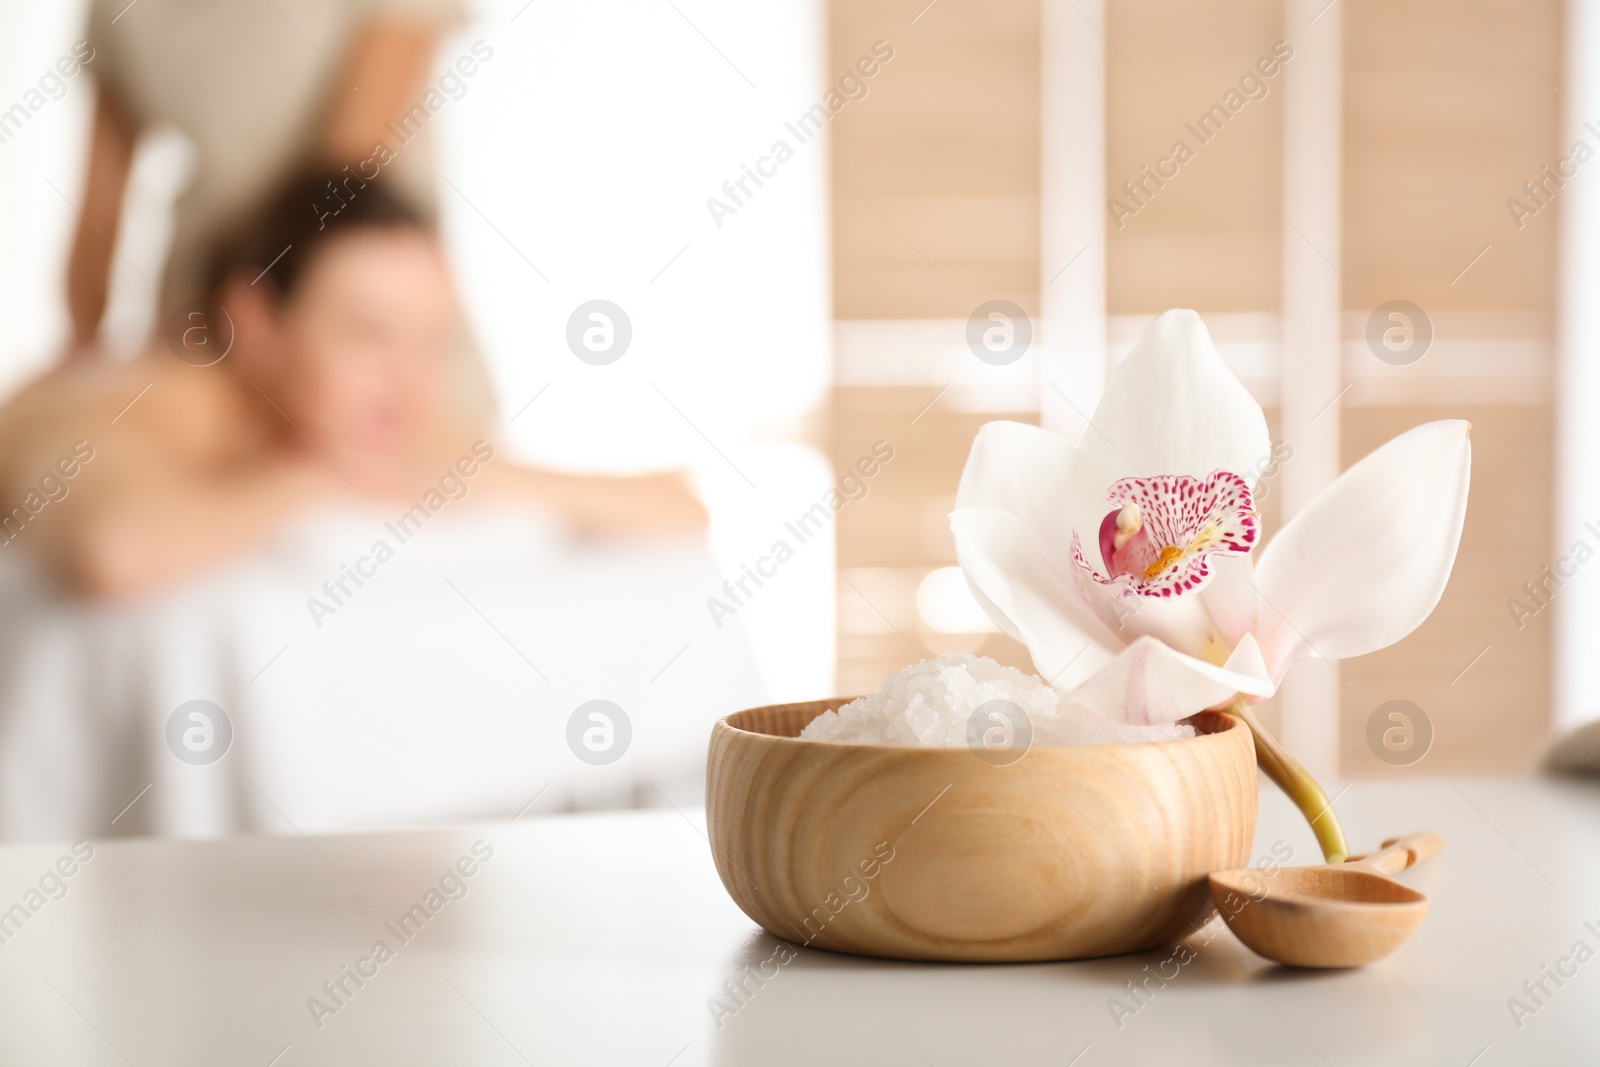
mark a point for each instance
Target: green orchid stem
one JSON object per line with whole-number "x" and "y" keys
{"x": 1296, "y": 783}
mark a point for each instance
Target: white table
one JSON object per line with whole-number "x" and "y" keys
{"x": 601, "y": 938}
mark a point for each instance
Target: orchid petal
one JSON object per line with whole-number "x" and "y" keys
{"x": 1364, "y": 563}
{"x": 1023, "y": 470}
{"x": 1150, "y": 682}
{"x": 1247, "y": 659}
{"x": 1180, "y": 621}
{"x": 1016, "y": 586}
{"x": 1171, "y": 407}
{"x": 1207, "y": 623}
{"x": 1230, "y": 597}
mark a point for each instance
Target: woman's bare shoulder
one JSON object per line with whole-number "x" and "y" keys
{"x": 194, "y": 412}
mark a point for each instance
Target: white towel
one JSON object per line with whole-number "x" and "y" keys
{"x": 439, "y": 689}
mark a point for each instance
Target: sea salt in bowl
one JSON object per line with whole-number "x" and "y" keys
{"x": 948, "y": 852}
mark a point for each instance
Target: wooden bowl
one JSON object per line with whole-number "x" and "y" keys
{"x": 935, "y": 854}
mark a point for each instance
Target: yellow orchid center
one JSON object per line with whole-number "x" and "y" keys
{"x": 1169, "y": 555}
{"x": 1206, "y": 537}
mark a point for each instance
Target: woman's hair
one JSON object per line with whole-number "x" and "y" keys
{"x": 305, "y": 214}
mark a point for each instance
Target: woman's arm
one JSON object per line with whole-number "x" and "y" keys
{"x": 115, "y": 498}
{"x": 131, "y": 524}
{"x": 602, "y": 506}
{"x": 111, "y": 145}
{"x": 140, "y": 544}
{"x": 388, "y": 60}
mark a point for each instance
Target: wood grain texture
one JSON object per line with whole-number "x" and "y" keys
{"x": 935, "y": 173}
{"x": 1330, "y": 915}
{"x": 933, "y": 854}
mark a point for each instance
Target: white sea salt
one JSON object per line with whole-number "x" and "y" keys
{"x": 929, "y": 703}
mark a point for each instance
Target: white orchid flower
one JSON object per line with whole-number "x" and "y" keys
{"x": 1124, "y": 563}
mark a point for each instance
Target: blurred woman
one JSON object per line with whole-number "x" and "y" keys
{"x": 322, "y": 369}
{"x": 258, "y": 88}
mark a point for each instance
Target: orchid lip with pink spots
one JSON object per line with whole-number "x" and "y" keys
{"x": 1177, "y": 611}
{"x": 1159, "y": 532}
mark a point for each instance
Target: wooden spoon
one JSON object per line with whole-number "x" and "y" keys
{"x": 1331, "y": 915}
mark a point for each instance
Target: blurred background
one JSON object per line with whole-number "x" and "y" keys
{"x": 1006, "y": 158}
